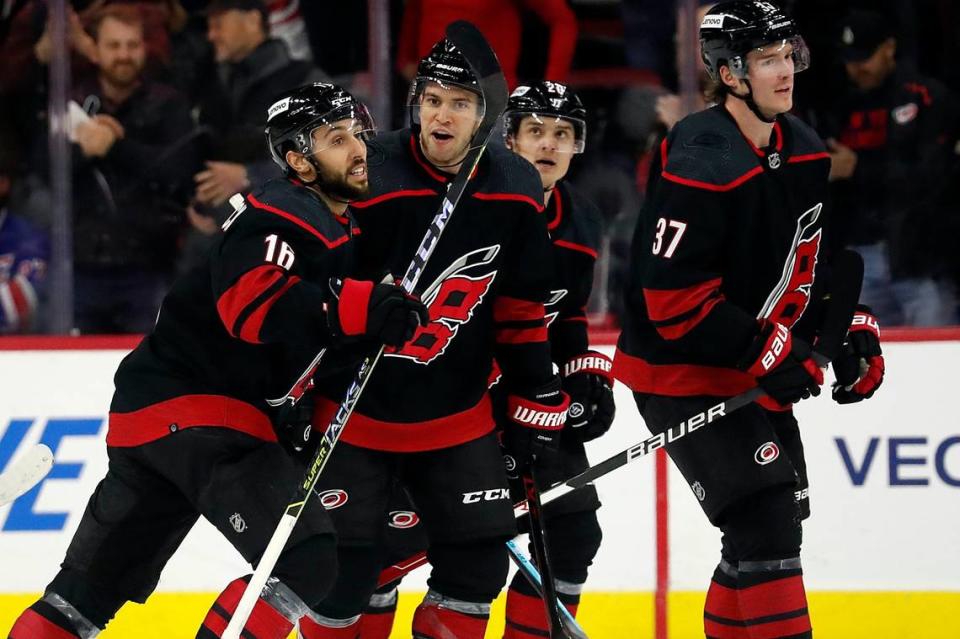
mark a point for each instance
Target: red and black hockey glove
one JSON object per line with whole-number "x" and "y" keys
{"x": 782, "y": 364}
{"x": 534, "y": 421}
{"x": 383, "y": 312}
{"x": 587, "y": 380}
{"x": 859, "y": 368}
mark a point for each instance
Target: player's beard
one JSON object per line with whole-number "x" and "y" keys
{"x": 338, "y": 186}
{"x": 123, "y": 74}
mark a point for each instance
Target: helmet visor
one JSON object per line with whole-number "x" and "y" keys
{"x": 351, "y": 121}
{"x": 789, "y": 55}
{"x": 562, "y": 134}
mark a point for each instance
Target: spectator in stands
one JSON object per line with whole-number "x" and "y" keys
{"x": 24, "y": 251}
{"x": 424, "y": 23}
{"x": 252, "y": 69}
{"x": 891, "y": 139}
{"x": 133, "y": 160}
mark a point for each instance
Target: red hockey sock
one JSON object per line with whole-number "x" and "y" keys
{"x": 377, "y": 625}
{"x": 31, "y": 624}
{"x": 265, "y": 622}
{"x": 527, "y": 617}
{"x": 310, "y": 629}
{"x": 431, "y": 621}
{"x": 776, "y": 608}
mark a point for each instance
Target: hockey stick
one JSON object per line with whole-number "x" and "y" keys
{"x": 538, "y": 539}
{"x": 848, "y": 277}
{"x": 533, "y": 576}
{"x": 493, "y": 88}
{"x": 25, "y": 473}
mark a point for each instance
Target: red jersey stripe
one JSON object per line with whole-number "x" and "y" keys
{"x": 665, "y": 304}
{"x": 573, "y": 246}
{"x": 250, "y": 329}
{"x": 512, "y": 309}
{"x": 678, "y": 330}
{"x": 299, "y": 222}
{"x": 393, "y": 195}
{"x": 697, "y": 184}
{"x": 236, "y": 299}
{"x": 808, "y": 157}
{"x": 521, "y": 335}
{"x": 516, "y": 197}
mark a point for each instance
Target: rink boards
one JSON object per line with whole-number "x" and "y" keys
{"x": 881, "y": 552}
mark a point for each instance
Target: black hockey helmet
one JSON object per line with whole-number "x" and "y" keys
{"x": 730, "y": 30}
{"x": 445, "y": 65}
{"x": 546, "y": 100}
{"x": 293, "y": 118}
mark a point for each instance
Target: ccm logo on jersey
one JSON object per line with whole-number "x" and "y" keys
{"x": 493, "y": 494}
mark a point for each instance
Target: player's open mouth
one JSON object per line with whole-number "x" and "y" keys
{"x": 784, "y": 90}
{"x": 441, "y": 136}
{"x": 359, "y": 170}
{"x": 545, "y": 162}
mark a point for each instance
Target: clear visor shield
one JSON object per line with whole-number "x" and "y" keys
{"x": 339, "y": 133}
{"x": 787, "y": 56}
{"x": 530, "y": 129}
{"x": 445, "y": 102}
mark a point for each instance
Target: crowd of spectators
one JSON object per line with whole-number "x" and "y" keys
{"x": 168, "y": 100}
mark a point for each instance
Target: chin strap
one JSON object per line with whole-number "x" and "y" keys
{"x": 751, "y": 103}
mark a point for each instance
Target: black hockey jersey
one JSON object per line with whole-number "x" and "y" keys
{"x": 240, "y": 327}
{"x": 485, "y": 287}
{"x": 729, "y": 234}
{"x": 575, "y": 228}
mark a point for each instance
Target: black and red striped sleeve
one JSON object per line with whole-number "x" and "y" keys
{"x": 520, "y": 326}
{"x": 262, "y": 292}
{"x": 682, "y": 248}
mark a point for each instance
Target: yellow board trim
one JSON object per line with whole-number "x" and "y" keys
{"x": 836, "y": 615}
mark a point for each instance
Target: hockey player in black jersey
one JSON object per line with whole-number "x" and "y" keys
{"x": 545, "y": 124}
{"x": 190, "y": 433}
{"x": 724, "y": 262}
{"x": 425, "y": 418}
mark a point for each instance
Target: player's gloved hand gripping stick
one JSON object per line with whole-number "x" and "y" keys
{"x": 493, "y": 87}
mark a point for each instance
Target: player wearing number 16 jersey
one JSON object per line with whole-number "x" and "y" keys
{"x": 728, "y": 264}
{"x": 190, "y": 433}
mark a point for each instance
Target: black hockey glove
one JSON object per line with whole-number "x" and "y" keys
{"x": 782, "y": 365}
{"x": 587, "y": 380}
{"x": 859, "y": 368}
{"x": 534, "y": 421}
{"x": 294, "y": 424}
{"x": 383, "y": 312}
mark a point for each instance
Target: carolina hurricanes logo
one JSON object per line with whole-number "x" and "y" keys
{"x": 333, "y": 498}
{"x": 403, "y": 519}
{"x": 551, "y": 305}
{"x": 790, "y": 296}
{"x": 766, "y": 454}
{"x": 451, "y": 300}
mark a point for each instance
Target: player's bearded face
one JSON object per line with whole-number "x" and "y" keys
{"x": 548, "y": 144}
{"x": 341, "y": 160}
{"x": 448, "y": 119}
{"x": 121, "y": 52}
{"x": 771, "y": 72}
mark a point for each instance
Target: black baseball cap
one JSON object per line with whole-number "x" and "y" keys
{"x": 861, "y": 33}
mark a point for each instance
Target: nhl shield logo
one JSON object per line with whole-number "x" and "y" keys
{"x": 237, "y": 522}
{"x": 773, "y": 160}
{"x": 698, "y": 490}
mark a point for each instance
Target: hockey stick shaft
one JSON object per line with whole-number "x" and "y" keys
{"x": 494, "y": 89}
{"x": 25, "y": 473}
{"x": 532, "y": 575}
{"x": 541, "y": 552}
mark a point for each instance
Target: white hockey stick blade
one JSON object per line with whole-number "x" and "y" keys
{"x": 25, "y": 473}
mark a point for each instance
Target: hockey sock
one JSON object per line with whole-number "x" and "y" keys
{"x": 377, "y": 619}
{"x": 265, "y": 622}
{"x": 42, "y": 621}
{"x": 526, "y": 615}
{"x": 315, "y": 626}
{"x": 757, "y": 600}
{"x": 440, "y": 617}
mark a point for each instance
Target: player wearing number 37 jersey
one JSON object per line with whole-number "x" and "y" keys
{"x": 728, "y": 269}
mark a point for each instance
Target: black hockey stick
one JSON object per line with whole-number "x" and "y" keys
{"x": 493, "y": 88}
{"x": 530, "y": 572}
{"x": 847, "y": 279}
{"x": 556, "y": 623}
